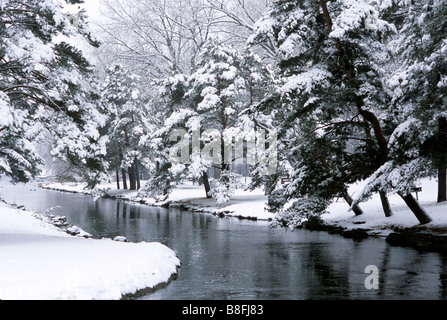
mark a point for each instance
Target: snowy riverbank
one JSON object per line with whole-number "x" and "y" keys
{"x": 251, "y": 205}
{"x": 38, "y": 261}
{"x": 244, "y": 204}
{"x": 373, "y": 218}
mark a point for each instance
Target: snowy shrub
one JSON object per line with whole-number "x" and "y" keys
{"x": 158, "y": 186}
{"x": 307, "y": 209}
{"x": 222, "y": 189}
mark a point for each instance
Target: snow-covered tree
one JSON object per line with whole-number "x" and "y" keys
{"x": 330, "y": 107}
{"x": 173, "y": 113}
{"x": 224, "y": 85}
{"x": 419, "y": 143}
{"x": 48, "y": 84}
{"x": 214, "y": 98}
{"x": 208, "y": 106}
{"x": 126, "y": 99}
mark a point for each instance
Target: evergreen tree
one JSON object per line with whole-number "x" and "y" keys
{"x": 126, "y": 99}
{"x": 331, "y": 104}
{"x": 419, "y": 144}
{"x": 209, "y": 105}
{"x": 46, "y": 85}
{"x": 173, "y": 114}
{"x": 222, "y": 89}
{"x": 217, "y": 90}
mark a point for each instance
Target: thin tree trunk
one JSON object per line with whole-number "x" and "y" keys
{"x": 415, "y": 207}
{"x": 442, "y": 160}
{"x": 123, "y": 172}
{"x": 117, "y": 178}
{"x": 206, "y": 183}
{"x": 225, "y": 166}
{"x": 137, "y": 174}
{"x": 442, "y": 181}
{"x": 385, "y": 204}
{"x": 131, "y": 169}
{"x": 117, "y": 209}
{"x": 356, "y": 208}
{"x": 132, "y": 178}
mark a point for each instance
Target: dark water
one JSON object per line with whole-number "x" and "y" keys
{"x": 234, "y": 259}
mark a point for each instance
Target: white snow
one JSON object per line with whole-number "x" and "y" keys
{"x": 40, "y": 262}
{"x": 6, "y": 117}
{"x": 374, "y": 218}
{"x": 305, "y": 81}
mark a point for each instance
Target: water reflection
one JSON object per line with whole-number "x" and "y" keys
{"x": 232, "y": 259}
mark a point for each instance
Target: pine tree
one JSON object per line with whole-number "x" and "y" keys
{"x": 174, "y": 113}
{"x": 417, "y": 145}
{"x": 46, "y": 85}
{"x": 222, "y": 89}
{"x": 207, "y": 99}
{"x": 126, "y": 99}
{"x": 420, "y": 89}
{"x": 331, "y": 104}
{"x": 216, "y": 90}
{"x": 208, "y": 105}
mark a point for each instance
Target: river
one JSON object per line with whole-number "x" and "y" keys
{"x": 228, "y": 258}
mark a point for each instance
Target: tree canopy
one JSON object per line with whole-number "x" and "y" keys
{"x": 344, "y": 91}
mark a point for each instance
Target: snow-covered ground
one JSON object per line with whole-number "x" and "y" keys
{"x": 374, "y": 218}
{"x": 40, "y": 262}
{"x": 252, "y": 204}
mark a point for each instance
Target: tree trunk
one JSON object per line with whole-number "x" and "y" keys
{"x": 385, "y": 204}
{"x": 225, "y": 166}
{"x": 415, "y": 207}
{"x": 442, "y": 160}
{"x": 206, "y": 183}
{"x": 132, "y": 178}
{"x": 117, "y": 178}
{"x": 137, "y": 174}
{"x": 442, "y": 181}
{"x": 123, "y": 172}
{"x": 356, "y": 208}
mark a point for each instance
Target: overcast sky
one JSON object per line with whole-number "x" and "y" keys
{"x": 92, "y": 7}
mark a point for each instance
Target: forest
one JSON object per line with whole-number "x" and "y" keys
{"x": 342, "y": 91}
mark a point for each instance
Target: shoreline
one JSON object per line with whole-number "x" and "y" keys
{"x": 78, "y": 266}
{"x": 145, "y": 291}
{"x": 186, "y": 204}
{"x": 430, "y": 238}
